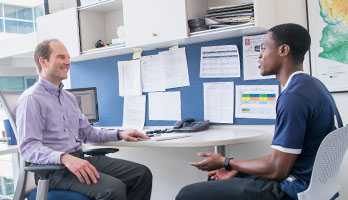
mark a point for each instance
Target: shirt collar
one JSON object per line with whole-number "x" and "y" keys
{"x": 290, "y": 77}
{"x": 50, "y": 87}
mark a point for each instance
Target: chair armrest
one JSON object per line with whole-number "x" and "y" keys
{"x": 43, "y": 168}
{"x": 100, "y": 151}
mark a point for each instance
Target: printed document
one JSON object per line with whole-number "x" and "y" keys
{"x": 256, "y": 101}
{"x": 220, "y": 62}
{"x": 175, "y": 63}
{"x": 219, "y": 102}
{"x": 165, "y": 106}
{"x": 134, "y": 112}
{"x": 129, "y": 78}
{"x": 251, "y": 53}
{"x": 153, "y": 74}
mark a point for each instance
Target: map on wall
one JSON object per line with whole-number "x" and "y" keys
{"x": 328, "y": 26}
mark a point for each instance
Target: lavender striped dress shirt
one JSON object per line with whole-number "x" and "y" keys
{"x": 50, "y": 123}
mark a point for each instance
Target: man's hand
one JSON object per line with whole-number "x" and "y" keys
{"x": 82, "y": 169}
{"x": 222, "y": 174}
{"x": 132, "y": 135}
{"x": 211, "y": 162}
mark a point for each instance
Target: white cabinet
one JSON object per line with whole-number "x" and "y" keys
{"x": 62, "y": 25}
{"x": 100, "y": 21}
{"x": 153, "y": 21}
{"x": 148, "y": 24}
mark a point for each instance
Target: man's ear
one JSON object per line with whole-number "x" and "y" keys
{"x": 284, "y": 50}
{"x": 43, "y": 62}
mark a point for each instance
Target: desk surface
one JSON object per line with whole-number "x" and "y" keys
{"x": 7, "y": 149}
{"x": 215, "y": 136}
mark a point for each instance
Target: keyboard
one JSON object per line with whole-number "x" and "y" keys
{"x": 169, "y": 136}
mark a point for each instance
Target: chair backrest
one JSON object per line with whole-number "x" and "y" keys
{"x": 324, "y": 183}
{"x": 9, "y": 101}
{"x": 25, "y": 180}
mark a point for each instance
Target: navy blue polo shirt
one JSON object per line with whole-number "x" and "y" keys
{"x": 304, "y": 117}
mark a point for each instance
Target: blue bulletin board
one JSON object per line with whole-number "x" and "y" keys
{"x": 102, "y": 74}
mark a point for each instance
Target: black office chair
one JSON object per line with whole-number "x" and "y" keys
{"x": 24, "y": 188}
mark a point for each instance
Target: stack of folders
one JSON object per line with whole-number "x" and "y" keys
{"x": 223, "y": 16}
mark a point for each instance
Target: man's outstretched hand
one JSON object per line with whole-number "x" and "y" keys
{"x": 132, "y": 135}
{"x": 211, "y": 161}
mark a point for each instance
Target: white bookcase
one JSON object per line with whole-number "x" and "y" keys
{"x": 99, "y": 21}
{"x": 148, "y": 24}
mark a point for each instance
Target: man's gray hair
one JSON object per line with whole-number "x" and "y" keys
{"x": 43, "y": 50}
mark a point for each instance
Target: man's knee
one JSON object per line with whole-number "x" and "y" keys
{"x": 146, "y": 173}
{"x": 112, "y": 189}
{"x": 187, "y": 193}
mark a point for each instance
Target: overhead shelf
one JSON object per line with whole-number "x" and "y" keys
{"x": 102, "y": 6}
{"x": 197, "y": 37}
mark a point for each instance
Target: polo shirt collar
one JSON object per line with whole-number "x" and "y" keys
{"x": 290, "y": 77}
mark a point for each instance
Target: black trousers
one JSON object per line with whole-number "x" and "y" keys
{"x": 241, "y": 187}
{"x": 119, "y": 180}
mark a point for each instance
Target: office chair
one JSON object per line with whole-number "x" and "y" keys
{"x": 25, "y": 184}
{"x": 324, "y": 183}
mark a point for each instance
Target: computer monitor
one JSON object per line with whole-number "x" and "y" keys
{"x": 87, "y": 100}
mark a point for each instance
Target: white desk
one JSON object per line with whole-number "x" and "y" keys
{"x": 217, "y": 136}
{"x": 169, "y": 159}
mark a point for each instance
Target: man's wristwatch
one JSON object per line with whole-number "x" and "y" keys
{"x": 227, "y": 165}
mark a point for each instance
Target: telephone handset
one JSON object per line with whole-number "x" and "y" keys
{"x": 190, "y": 125}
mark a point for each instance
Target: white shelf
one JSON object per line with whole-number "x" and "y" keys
{"x": 102, "y": 6}
{"x": 209, "y": 35}
{"x": 226, "y": 32}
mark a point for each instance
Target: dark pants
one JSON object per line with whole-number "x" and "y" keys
{"x": 242, "y": 187}
{"x": 119, "y": 180}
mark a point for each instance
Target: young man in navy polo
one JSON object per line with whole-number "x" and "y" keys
{"x": 305, "y": 115}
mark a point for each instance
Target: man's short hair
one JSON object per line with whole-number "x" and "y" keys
{"x": 294, "y": 35}
{"x": 43, "y": 50}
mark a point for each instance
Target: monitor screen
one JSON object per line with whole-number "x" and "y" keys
{"x": 87, "y": 100}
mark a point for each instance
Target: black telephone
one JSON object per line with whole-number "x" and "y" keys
{"x": 186, "y": 125}
{"x": 191, "y": 125}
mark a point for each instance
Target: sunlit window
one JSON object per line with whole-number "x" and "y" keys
{"x": 17, "y": 18}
